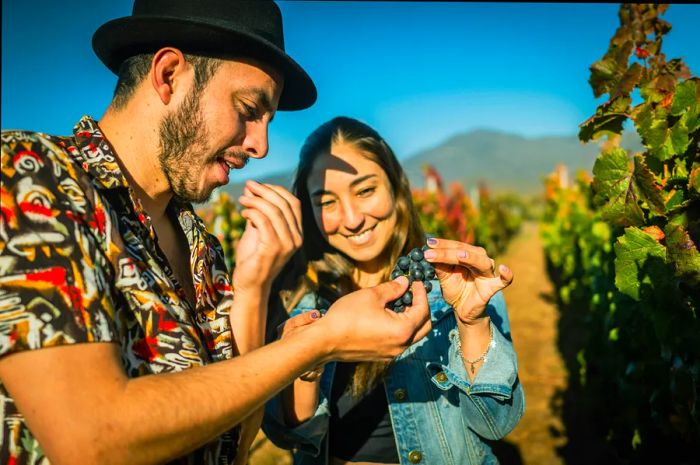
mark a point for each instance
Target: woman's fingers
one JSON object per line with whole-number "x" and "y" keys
{"x": 506, "y": 275}
{"x": 297, "y": 321}
{"x": 467, "y": 256}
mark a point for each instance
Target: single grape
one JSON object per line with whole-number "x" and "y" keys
{"x": 416, "y": 255}
{"x": 396, "y": 273}
{"x": 403, "y": 263}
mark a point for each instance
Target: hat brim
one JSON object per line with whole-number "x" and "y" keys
{"x": 121, "y": 38}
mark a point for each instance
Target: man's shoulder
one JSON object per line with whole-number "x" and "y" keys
{"x": 37, "y": 145}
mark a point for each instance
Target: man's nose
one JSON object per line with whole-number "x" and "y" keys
{"x": 255, "y": 143}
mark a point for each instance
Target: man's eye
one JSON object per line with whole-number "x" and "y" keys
{"x": 249, "y": 111}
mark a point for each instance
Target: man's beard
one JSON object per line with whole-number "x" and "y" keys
{"x": 183, "y": 142}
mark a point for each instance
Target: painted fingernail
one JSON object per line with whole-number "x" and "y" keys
{"x": 432, "y": 241}
{"x": 462, "y": 254}
{"x": 430, "y": 254}
{"x": 315, "y": 314}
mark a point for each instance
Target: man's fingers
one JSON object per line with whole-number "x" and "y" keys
{"x": 259, "y": 221}
{"x": 283, "y": 201}
{"x": 391, "y": 290}
{"x": 294, "y": 204}
{"x": 287, "y": 234}
{"x": 423, "y": 331}
{"x": 419, "y": 311}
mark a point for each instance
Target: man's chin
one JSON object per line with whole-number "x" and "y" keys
{"x": 196, "y": 197}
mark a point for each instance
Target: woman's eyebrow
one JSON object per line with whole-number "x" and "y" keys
{"x": 355, "y": 182}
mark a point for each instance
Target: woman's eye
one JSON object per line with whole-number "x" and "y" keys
{"x": 324, "y": 203}
{"x": 366, "y": 192}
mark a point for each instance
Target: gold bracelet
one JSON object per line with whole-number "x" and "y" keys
{"x": 492, "y": 343}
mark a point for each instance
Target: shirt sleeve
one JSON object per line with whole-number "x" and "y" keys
{"x": 494, "y": 401}
{"x": 54, "y": 274}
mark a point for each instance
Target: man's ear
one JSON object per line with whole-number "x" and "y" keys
{"x": 168, "y": 69}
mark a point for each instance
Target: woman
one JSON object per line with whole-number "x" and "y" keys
{"x": 439, "y": 400}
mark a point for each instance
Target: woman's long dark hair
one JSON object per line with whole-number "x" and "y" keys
{"x": 325, "y": 270}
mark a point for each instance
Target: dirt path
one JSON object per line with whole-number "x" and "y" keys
{"x": 533, "y": 320}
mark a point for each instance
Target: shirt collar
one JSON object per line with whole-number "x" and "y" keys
{"x": 96, "y": 156}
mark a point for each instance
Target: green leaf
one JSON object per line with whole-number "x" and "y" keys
{"x": 607, "y": 72}
{"x": 683, "y": 252}
{"x": 629, "y": 80}
{"x": 636, "y": 439}
{"x": 658, "y": 88}
{"x": 686, "y": 97}
{"x": 649, "y": 190}
{"x": 608, "y": 119}
{"x": 694, "y": 180}
{"x": 633, "y": 252}
{"x": 678, "y": 137}
{"x": 614, "y": 189}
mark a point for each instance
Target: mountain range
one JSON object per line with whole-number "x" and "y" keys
{"x": 504, "y": 162}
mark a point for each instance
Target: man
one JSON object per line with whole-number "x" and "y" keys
{"x": 120, "y": 337}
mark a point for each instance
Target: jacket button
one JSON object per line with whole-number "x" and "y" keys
{"x": 415, "y": 456}
{"x": 441, "y": 377}
{"x": 400, "y": 394}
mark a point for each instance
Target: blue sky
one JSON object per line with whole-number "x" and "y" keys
{"x": 418, "y": 72}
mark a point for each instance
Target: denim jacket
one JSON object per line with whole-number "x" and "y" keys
{"x": 439, "y": 416}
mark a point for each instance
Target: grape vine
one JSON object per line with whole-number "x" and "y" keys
{"x": 623, "y": 246}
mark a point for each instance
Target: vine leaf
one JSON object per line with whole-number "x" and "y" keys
{"x": 608, "y": 119}
{"x": 635, "y": 252}
{"x": 694, "y": 180}
{"x": 607, "y": 72}
{"x": 622, "y": 187}
{"x": 683, "y": 252}
{"x": 653, "y": 127}
{"x": 686, "y": 97}
{"x": 649, "y": 190}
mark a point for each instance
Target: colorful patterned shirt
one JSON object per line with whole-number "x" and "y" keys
{"x": 80, "y": 262}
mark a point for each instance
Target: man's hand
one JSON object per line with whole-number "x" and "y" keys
{"x": 272, "y": 234}
{"x": 361, "y": 328}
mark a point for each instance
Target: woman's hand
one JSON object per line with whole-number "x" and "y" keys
{"x": 467, "y": 276}
{"x": 272, "y": 234}
{"x": 292, "y": 325}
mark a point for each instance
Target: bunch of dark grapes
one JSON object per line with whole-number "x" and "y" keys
{"x": 416, "y": 268}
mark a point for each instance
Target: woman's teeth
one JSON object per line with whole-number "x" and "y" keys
{"x": 362, "y": 237}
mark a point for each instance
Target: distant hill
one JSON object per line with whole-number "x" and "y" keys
{"x": 505, "y": 162}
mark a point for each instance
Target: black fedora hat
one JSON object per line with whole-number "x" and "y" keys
{"x": 224, "y": 28}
